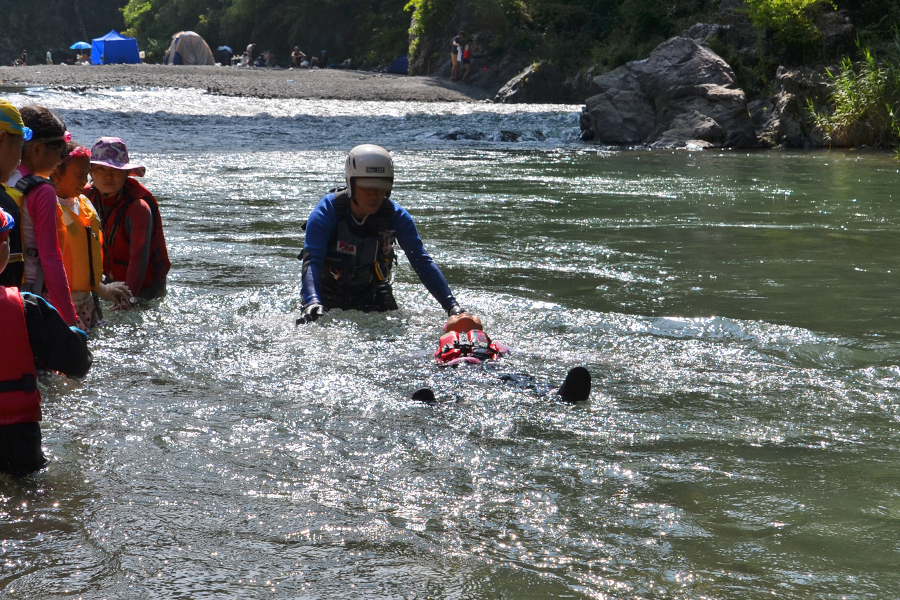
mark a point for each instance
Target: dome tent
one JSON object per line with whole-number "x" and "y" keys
{"x": 113, "y": 49}
{"x": 400, "y": 66}
{"x": 188, "y": 48}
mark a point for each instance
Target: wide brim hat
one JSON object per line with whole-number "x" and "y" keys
{"x": 111, "y": 152}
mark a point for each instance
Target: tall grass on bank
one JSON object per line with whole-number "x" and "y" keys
{"x": 866, "y": 101}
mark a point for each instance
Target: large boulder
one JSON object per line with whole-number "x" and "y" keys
{"x": 839, "y": 36}
{"x": 538, "y": 83}
{"x": 683, "y": 93}
{"x": 785, "y": 119}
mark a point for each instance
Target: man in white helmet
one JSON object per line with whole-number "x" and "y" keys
{"x": 349, "y": 249}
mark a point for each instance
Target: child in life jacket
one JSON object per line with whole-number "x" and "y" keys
{"x": 13, "y": 134}
{"x": 83, "y": 252}
{"x": 134, "y": 247}
{"x": 43, "y": 234}
{"x": 34, "y": 335}
{"x": 464, "y": 341}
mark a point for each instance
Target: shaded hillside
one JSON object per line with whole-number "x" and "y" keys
{"x": 41, "y": 25}
{"x": 369, "y": 31}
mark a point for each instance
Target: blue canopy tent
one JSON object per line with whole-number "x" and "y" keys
{"x": 400, "y": 66}
{"x": 113, "y": 48}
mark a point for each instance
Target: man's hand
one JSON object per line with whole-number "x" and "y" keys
{"x": 311, "y": 313}
{"x": 455, "y": 310}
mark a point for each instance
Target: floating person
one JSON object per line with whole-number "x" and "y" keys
{"x": 134, "y": 247}
{"x": 43, "y": 234}
{"x": 463, "y": 341}
{"x": 34, "y": 336}
{"x": 83, "y": 252}
{"x": 349, "y": 249}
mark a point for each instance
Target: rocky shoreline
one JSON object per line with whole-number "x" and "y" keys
{"x": 681, "y": 96}
{"x": 254, "y": 83}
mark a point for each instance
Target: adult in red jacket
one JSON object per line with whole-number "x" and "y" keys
{"x": 133, "y": 242}
{"x": 34, "y": 335}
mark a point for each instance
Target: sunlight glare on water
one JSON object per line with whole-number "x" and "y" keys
{"x": 736, "y": 311}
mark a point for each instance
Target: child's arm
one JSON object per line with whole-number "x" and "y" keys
{"x": 42, "y": 207}
{"x": 56, "y": 346}
{"x": 139, "y": 224}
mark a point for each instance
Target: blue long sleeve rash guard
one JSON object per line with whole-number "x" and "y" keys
{"x": 320, "y": 226}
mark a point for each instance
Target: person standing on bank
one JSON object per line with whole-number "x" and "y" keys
{"x": 349, "y": 248}
{"x": 455, "y": 53}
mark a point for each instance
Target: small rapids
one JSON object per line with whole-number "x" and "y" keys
{"x": 737, "y": 313}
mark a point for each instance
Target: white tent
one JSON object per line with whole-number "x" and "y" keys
{"x": 188, "y": 48}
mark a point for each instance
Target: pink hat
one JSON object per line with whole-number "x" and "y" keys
{"x": 111, "y": 152}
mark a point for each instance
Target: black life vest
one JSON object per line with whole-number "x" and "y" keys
{"x": 12, "y": 201}
{"x": 360, "y": 256}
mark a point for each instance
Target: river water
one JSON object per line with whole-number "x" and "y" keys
{"x": 737, "y": 312}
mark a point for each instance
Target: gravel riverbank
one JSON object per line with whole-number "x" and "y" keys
{"x": 249, "y": 82}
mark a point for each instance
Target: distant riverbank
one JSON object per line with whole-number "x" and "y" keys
{"x": 249, "y": 82}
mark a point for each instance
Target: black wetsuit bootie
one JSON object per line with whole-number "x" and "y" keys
{"x": 425, "y": 394}
{"x": 576, "y": 387}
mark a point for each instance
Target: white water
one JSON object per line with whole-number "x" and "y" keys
{"x": 737, "y": 313}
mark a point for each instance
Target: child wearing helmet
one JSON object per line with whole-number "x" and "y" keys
{"x": 349, "y": 248}
{"x": 34, "y": 336}
{"x": 464, "y": 341}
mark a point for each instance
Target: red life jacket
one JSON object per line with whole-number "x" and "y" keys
{"x": 117, "y": 241}
{"x": 20, "y": 401}
{"x": 470, "y": 346}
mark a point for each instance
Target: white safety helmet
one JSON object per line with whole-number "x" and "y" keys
{"x": 370, "y": 166}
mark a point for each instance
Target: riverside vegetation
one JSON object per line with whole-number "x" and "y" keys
{"x": 572, "y": 35}
{"x": 866, "y": 100}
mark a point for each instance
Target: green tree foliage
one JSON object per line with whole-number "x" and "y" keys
{"x": 41, "y": 25}
{"x": 789, "y": 18}
{"x": 569, "y": 33}
{"x": 366, "y": 30}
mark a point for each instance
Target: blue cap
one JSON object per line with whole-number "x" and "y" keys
{"x": 14, "y": 128}
{"x": 6, "y": 223}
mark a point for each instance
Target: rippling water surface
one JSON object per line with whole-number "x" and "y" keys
{"x": 737, "y": 311}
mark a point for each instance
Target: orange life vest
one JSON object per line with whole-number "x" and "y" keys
{"x": 20, "y": 401}
{"x": 82, "y": 256}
